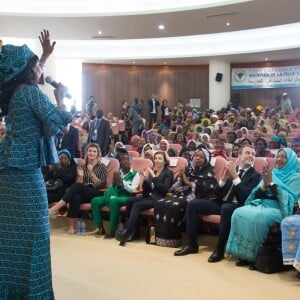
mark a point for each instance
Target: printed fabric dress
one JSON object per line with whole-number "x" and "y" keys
{"x": 250, "y": 224}
{"x": 25, "y": 266}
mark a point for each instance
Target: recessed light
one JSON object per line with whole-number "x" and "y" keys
{"x": 266, "y": 59}
{"x": 227, "y": 23}
{"x": 99, "y": 32}
{"x": 161, "y": 27}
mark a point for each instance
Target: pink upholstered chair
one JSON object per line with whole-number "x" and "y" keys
{"x": 176, "y": 147}
{"x": 176, "y": 164}
{"x": 133, "y": 154}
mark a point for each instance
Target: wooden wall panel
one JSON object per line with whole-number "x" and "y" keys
{"x": 112, "y": 84}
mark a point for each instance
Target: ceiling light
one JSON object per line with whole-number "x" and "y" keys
{"x": 161, "y": 27}
{"x": 99, "y": 32}
{"x": 266, "y": 59}
{"x": 133, "y": 62}
{"x": 227, "y": 23}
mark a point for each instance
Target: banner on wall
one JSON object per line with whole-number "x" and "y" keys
{"x": 273, "y": 77}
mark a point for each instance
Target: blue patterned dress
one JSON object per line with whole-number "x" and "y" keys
{"x": 25, "y": 266}
{"x": 250, "y": 224}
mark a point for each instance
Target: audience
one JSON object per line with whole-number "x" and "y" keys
{"x": 91, "y": 177}
{"x": 157, "y": 182}
{"x": 231, "y": 193}
{"x": 236, "y": 125}
{"x": 196, "y": 181}
{"x": 63, "y": 173}
{"x": 125, "y": 182}
{"x": 269, "y": 202}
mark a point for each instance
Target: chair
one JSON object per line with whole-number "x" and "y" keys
{"x": 114, "y": 128}
{"x": 177, "y": 164}
{"x": 133, "y": 154}
{"x": 271, "y": 161}
{"x": 176, "y": 147}
{"x": 139, "y": 164}
{"x": 218, "y": 164}
{"x": 260, "y": 162}
{"x": 128, "y": 147}
{"x": 79, "y": 161}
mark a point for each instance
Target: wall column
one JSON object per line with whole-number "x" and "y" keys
{"x": 219, "y": 91}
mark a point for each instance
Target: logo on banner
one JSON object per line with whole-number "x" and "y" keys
{"x": 240, "y": 75}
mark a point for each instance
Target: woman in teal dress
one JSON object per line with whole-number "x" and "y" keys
{"x": 31, "y": 122}
{"x": 271, "y": 200}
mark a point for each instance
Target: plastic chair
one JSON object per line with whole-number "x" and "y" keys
{"x": 218, "y": 164}
{"x": 133, "y": 154}
{"x": 139, "y": 164}
{"x": 176, "y": 147}
{"x": 128, "y": 147}
{"x": 176, "y": 164}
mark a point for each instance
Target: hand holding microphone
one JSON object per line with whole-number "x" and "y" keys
{"x": 64, "y": 92}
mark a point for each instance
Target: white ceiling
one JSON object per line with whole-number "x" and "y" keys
{"x": 242, "y": 16}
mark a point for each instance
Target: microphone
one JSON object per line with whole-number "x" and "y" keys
{"x": 52, "y": 82}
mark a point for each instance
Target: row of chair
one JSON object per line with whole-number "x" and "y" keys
{"x": 178, "y": 163}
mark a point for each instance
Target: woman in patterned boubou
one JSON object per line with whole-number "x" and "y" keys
{"x": 197, "y": 181}
{"x": 91, "y": 177}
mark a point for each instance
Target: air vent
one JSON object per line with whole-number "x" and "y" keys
{"x": 103, "y": 37}
{"x": 223, "y": 14}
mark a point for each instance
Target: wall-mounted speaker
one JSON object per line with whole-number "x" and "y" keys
{"x": 219, "y": 77}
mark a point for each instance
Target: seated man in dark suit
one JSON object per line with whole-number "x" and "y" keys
{"x": 232, "y": 191}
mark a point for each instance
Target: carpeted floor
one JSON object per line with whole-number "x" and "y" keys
{"x": 89, "y": 268}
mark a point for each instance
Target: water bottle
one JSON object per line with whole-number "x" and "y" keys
{"x": 83, "y": 227}
{"x": 78, "y": 225}
{"x": 152, "y": 235}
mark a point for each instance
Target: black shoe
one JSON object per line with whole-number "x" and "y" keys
{"x": 110, "y": 235}
{"x": 187, "y": 249}
{"x": 124, "y": 235}
{"x": 216, "y": 256}
{"x": 100, "y": 231}
{"x": 242, "y": 263}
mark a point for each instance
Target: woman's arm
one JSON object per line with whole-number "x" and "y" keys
{"x": 47, "y": 46}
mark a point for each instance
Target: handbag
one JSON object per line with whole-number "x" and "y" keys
{"x": 54, "y": 185}
{"x": 269, "y": 259}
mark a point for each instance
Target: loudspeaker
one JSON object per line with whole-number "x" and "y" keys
{"x": 219, "y": 77}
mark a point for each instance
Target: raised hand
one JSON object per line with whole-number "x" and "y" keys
{"x": 267, "y": 176}
{"x": 47, "y": 46}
